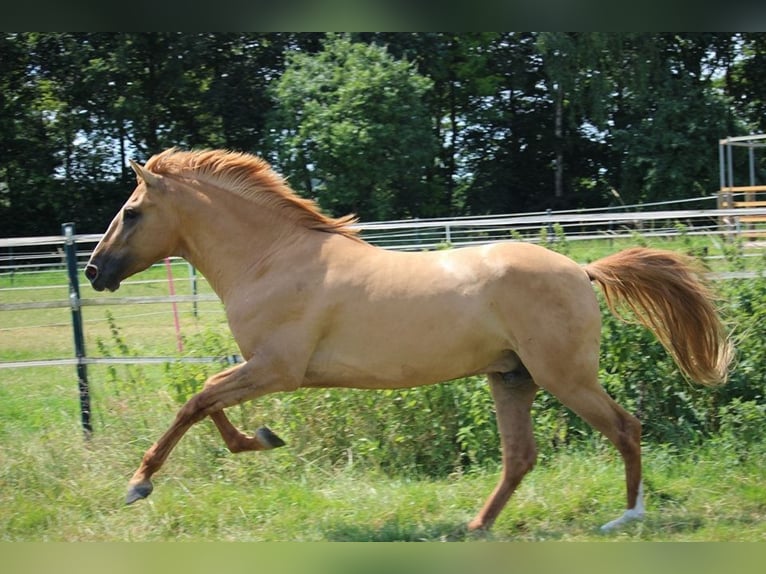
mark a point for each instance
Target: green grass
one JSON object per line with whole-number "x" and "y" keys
{"x": 47, "y": 333}
{"x": 54, "y": 486}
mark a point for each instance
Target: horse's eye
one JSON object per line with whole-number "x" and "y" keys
{"x": 129, "y": 214}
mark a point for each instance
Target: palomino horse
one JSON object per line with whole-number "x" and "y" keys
{"x": 312, "y": 305}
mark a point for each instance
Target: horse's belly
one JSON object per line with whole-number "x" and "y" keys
{"x": 405, "y": 360}
{"x": 348, "y": 377}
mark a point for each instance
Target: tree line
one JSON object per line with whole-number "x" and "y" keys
{"x": 386, "y": 125}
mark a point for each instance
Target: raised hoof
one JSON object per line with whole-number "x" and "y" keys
{"x": 268, "y": 438}
{"x": 138, "y": 492}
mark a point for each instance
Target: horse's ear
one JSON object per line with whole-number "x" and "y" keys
{"x": 147, "y": 176}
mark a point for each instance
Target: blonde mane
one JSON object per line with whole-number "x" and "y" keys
{"x": 249, "y": 177}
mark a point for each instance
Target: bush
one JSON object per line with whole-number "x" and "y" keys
{"x": 742, "y": 423}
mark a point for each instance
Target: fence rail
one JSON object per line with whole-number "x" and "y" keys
{"x": 430, "y": 234}
{"x": 39, "y": 254}
{"x": 66, "y": 303}
{"x": 229, "y": 359}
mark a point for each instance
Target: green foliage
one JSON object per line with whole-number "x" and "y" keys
{"x": 554, "y": 238}
{"x": 744, "y": 301}
{"x": 117, "y": 346}
{"x": 741, "y": 428}
{"x": 186, "y": 379}
{"x": 389, "y": 125}
{"x": 351, "y": 128}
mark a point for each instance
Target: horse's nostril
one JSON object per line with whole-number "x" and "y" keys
{"x": 91, "y": 272}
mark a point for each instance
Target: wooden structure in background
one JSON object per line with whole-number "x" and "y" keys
{"x": 734, "y": 195}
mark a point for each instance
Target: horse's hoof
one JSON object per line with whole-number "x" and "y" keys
{"x": 138, "y": 492}
{"x": 628, "y": 516}
{"x": 268, "y": 438}
{"x": 477, "y": 525}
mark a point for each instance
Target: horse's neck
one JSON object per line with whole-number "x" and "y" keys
{"x": 228, "y": 245}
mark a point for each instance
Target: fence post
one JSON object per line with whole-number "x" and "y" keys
{"x": 193, "y": 279}
{"x": 79, "y": 339}
{"x": 176, "y": 321}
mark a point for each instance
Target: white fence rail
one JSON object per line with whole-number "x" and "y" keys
{"x": 431, "y": 234}
{"x": 38, "y": 254}
{"x": 655, "y": 218}
{"x": 42, "y": 254}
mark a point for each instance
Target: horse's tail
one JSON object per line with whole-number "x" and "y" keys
{"x": 667, "y": 295}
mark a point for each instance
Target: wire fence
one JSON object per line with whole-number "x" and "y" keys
{"x": 27, "y": 256}
{"x": 23, "y": 260}
{"x": 574, "y": 226}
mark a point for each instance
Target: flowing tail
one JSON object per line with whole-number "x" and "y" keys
{"x": 664, "y": 291}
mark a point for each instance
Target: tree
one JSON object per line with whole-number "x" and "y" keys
{"x": 457, "y": 64}
{"x": 668, "y": 117}
{"x": 98, "y": 99}
{"x": 384, "y": 124}
{"x": 351, "y": 129}
{"x": 28, "y": 153}
{"x": 745, "y": 79}
{"x": 510, "y": 129}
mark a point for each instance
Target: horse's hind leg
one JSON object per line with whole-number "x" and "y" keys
{"x": 513, "y": 394}
{"x": 594, "y": 405}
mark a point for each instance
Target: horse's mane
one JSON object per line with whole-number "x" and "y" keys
{"x": 252, "y": 178}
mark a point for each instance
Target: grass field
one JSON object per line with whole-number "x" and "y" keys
{"x": 54, "y": 486}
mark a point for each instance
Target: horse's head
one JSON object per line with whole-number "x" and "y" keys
{"x": 142, "y": 233}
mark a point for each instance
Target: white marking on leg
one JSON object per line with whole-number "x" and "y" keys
{"x": 635, "y": 513}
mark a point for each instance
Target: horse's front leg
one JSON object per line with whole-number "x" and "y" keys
{"x": 228, "y": 388}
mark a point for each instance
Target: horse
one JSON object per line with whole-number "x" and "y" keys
{"x": 312, "y": 305}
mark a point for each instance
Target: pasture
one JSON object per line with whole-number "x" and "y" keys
{"x": 361, "y": 465}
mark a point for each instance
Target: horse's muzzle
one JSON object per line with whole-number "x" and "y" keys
{"x": 100, "y": 279}
{"x": 91, "y": 272}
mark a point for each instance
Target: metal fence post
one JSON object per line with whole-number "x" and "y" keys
{"x": 79, "y": 339}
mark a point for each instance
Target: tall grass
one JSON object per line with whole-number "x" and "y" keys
{"x": 58, "y": 488}
{"x": 377, "y": 465}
